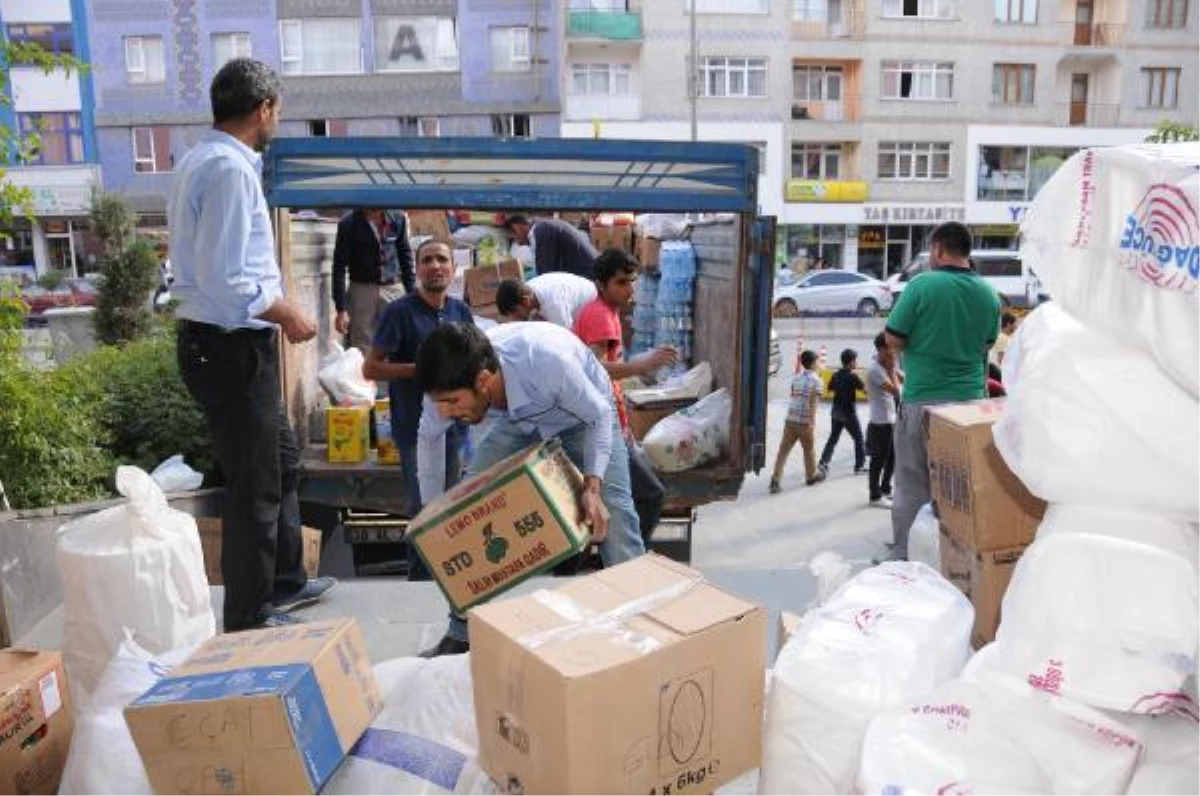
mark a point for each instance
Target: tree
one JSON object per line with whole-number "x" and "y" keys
{"x": 1168, "y": 132}
{"x": 129, "y": 269}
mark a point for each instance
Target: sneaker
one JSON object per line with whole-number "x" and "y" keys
{"x": 886, "y": 491}
{"x": 276, "y": 619}
{"x": 860, "y": 470}
{"x": 881, "y": 503}
{"x": 818, "y": 478}
{"x": 447, "y": 646}
{"x": 774, "y": 488}
{"x": 822, "y": 469}
{"x": 310, "y": 594}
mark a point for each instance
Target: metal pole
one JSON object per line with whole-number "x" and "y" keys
{"x": 694, "y": 76}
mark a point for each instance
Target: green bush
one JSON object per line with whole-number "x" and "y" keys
{"x": 122, "y": 307}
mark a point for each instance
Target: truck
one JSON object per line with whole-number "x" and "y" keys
{"x": 734, "y": 246}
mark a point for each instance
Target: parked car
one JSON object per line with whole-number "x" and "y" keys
{"x": 73, "y": 292}
{"x": 1004, "y": 270}
{"x": 833, "y": 292}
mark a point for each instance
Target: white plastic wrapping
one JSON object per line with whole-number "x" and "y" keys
{"x": 1103, "y": 608}
{"x": 1171, "y": 763}
{"x": 1090, "y": 419}
{"x": 1113, "y": 236}
{"x": 135, "y": 568}
{"x": 694, "y": 383}
{"x": 341, "y": 375}
{"x": 924, "y": 540}
{"x": 888, "y": 636}
{"x": 695, "y": 435}
{"x": 174, "y": 475}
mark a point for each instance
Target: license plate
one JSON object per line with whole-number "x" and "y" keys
{"x": 374, "y": 535}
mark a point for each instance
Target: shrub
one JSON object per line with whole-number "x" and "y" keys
{"x": 122, "y": 307}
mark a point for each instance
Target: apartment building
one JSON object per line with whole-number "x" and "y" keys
{"x": 58, "y": 109}
{"x": 349, "y": 67}
{"x": 878, "y": 119}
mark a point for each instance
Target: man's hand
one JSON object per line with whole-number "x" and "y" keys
{"x": 298, "y": 327}
{"x": 661, "y": 357}
{"x": 342, "y": 322}
{"x": 592, "y": 510}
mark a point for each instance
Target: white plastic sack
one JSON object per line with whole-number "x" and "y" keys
{"x": 341, "y": 375}
{"x": 1171, "y": 763}
{"x": 890, "y": 635}
{"x": 924, "y": 539}
{"x": 1091, "y": 420}
{"x": 103, "y": 758}
{"x": 174, "y": 475}
{"x": 1103, "y": 608}
{"x": 425, "y": 740}
{"x": 664, "y": 226}
{"x": 996, "y": 736}
{"x": 693, "y": 436}
{"x": 135, "y": 568}
{"x": 1113, "y": 236}
{"x": 695, "y": 383}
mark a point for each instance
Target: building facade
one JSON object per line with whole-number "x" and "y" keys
{"x": 350, "y": 67}
{"x": 879, "y": 119}
{"x": 58, "y": 109}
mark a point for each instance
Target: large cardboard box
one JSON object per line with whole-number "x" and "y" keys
{"x": 261, "y": 711}
{"x": 617, "y": 236}
{"x": 348, "y": 430}
{"x": 428, "y": 222}
{"x": 983, "y": 576}
{"x": 483, "y": 280}
{"x": 36, "y": 721}
{"x": 210, "y": 543}
{"x": 649, "y": 252}
{"x": 642, "y": 678}
{"x": 512, "y": 521}
{"x": 981, "y": 502}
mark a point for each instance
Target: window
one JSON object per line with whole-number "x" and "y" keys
{"x": 925, "y": 9}
{"x": 1012, "y": 84}
{"x": 917, "y": 80}
{"x": 600, "y": 79}
{"x": 1160, "y": 87}
{"x": 52, "y": 37}
{"x": 816, "y": 161}
{"x": 420, "y": 126}
{"x": 1017, "y": 11}
{"x": 144, "y": 59}
{"x": 817, "y": 83}
{"x": 510, "y": 125}
{"x": 1167, "y": 14}
{"x": 994, "y": 265}
{"x": 510, "y": 49}
{"x": 328, "y": 128}
{"x": 735, "y": 77}
{"x": 726, "y": 6}
{"x": 60, "y": 137}
{"x": 227, "y": 46}
{"x": 1017, "y": 173}
{"x": 152, "y": 150}
{"x": 813, "y": 12}
{"x": 320, "y": 46}
{"x": 416, "y": 44}
{"x": 913, "y": 160}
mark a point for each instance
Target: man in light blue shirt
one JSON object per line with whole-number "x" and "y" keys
{"x": 230, "y": 304}
{"x": 532, "y": 381}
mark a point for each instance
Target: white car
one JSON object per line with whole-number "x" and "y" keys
{"x": 832, "y": 292}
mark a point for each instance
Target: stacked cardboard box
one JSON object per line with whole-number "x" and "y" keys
{"x": 614, "y": 236}
{"x": 482, "y": 281}
{"x": 210, "y": 543}
{"x": 36, "y": 721}
{"x": 987, "y": 515}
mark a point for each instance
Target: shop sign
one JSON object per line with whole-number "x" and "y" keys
{"x": 870, "y": 238}
{"x": 913, "y": 214}
{"x": 62, "y": 200}
{"x": 1017, "y": 213}
{"x": 826, "y": 191}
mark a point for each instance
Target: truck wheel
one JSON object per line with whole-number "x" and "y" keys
{"x": 868, "y": 308}
{"x": 786, "y": 308}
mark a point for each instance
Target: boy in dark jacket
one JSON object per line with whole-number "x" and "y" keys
{"x": 844, "y": 387}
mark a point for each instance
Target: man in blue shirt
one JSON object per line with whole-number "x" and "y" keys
{"x": 230, "y": 304}
{"x": 405, "y": 324}
{"x": 532, "y": 381}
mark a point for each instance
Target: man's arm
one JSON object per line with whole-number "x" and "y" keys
{"x": 341, "y": 261}
{"x": 404, "y": 254}
{"x": 638, "y": 366}
{"x": 544, "y": 251}
{"x": 377, "y": 368}
{"x": 431, "y": 452}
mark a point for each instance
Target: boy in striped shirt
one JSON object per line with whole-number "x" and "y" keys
{"x": 801, "y": 423}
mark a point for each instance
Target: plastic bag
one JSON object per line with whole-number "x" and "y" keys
{"x": 103, "y": 758}
{"x": 1171, "y": 763}
{"x": 425, "y": 740}
{"x": 996, "y": 736}
{"x": 1090, "y": 420}
{"x": 135, "y": 568}
{"x": 695, "y": 383}
{"x": 693, "y": 436}
{"x": 341, "y": 375}
{"x": 1113, "y": 237}
{"x": 924, "y": 542}
{"x": 1103, "y": 608}
{"x": 173, "y": 475}
{"x": 889, "y": 635}
{"x": 664, "y": 226}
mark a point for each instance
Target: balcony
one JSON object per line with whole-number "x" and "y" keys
{"x": 1097, "y": 35}
{"x": 606, "y": 26}
{"x": 603, "y": 107}
{"x": 848, "y": 191}
{"x": 1089, "y": 114}
{"x": 846, "y": 109}
{"x": 848, "y": 24}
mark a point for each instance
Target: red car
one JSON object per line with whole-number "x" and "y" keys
{"x": 73, "y": 292}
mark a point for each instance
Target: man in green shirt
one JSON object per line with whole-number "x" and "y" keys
{"x": 944, "y": 323}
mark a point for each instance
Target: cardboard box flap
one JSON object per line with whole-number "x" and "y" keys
{"x": 970, "y": 413}
{"x": 267, "y": 649}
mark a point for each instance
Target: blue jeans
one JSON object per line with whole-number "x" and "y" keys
{"x": 624, "y": 540}
{"x": 456, "y": 444}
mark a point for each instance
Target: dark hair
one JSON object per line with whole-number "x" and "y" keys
{"x": 447, "y": 242}
{"x": 881, "y": 341}
{"x": 240, "y": 87}
{"x": 612, "y": 263}
{"x": 452, "y": 357}
{"x": 848, "y": 356}
{"x": 954, "y": 237}
{"x": 509, "y": 294}
{"x": 514, "y": 219}
{"x": 808, "y": 358}
{"x": 1007, "y": 319}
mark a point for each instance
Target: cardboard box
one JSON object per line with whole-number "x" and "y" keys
{"x": 618, "y": 236}
{"x": 348, "y": 430}
{"x": 641, "y": 678}
{"x": 981, "y": 502}
{"x": 488, "y": 311}
{"x": 983, "y": 576}
{"x": 36, "y": 721}
{"x": 210, "y": 543}
{"x": 433, "y": 223}
{"x": 649, "y": 251}
{"x": 385, "y": 446}
{"x": 483, "y": 280}
{"x": 261, "y": 711}
{"x": 513, "y": 520}
{"x": 643, "y": 417}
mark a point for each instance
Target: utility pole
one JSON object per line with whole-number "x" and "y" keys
{"x": 694, "y": 70}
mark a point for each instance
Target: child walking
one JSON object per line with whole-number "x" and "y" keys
{"x": 801, "y": 420}
{"x": 845, "y": 385}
